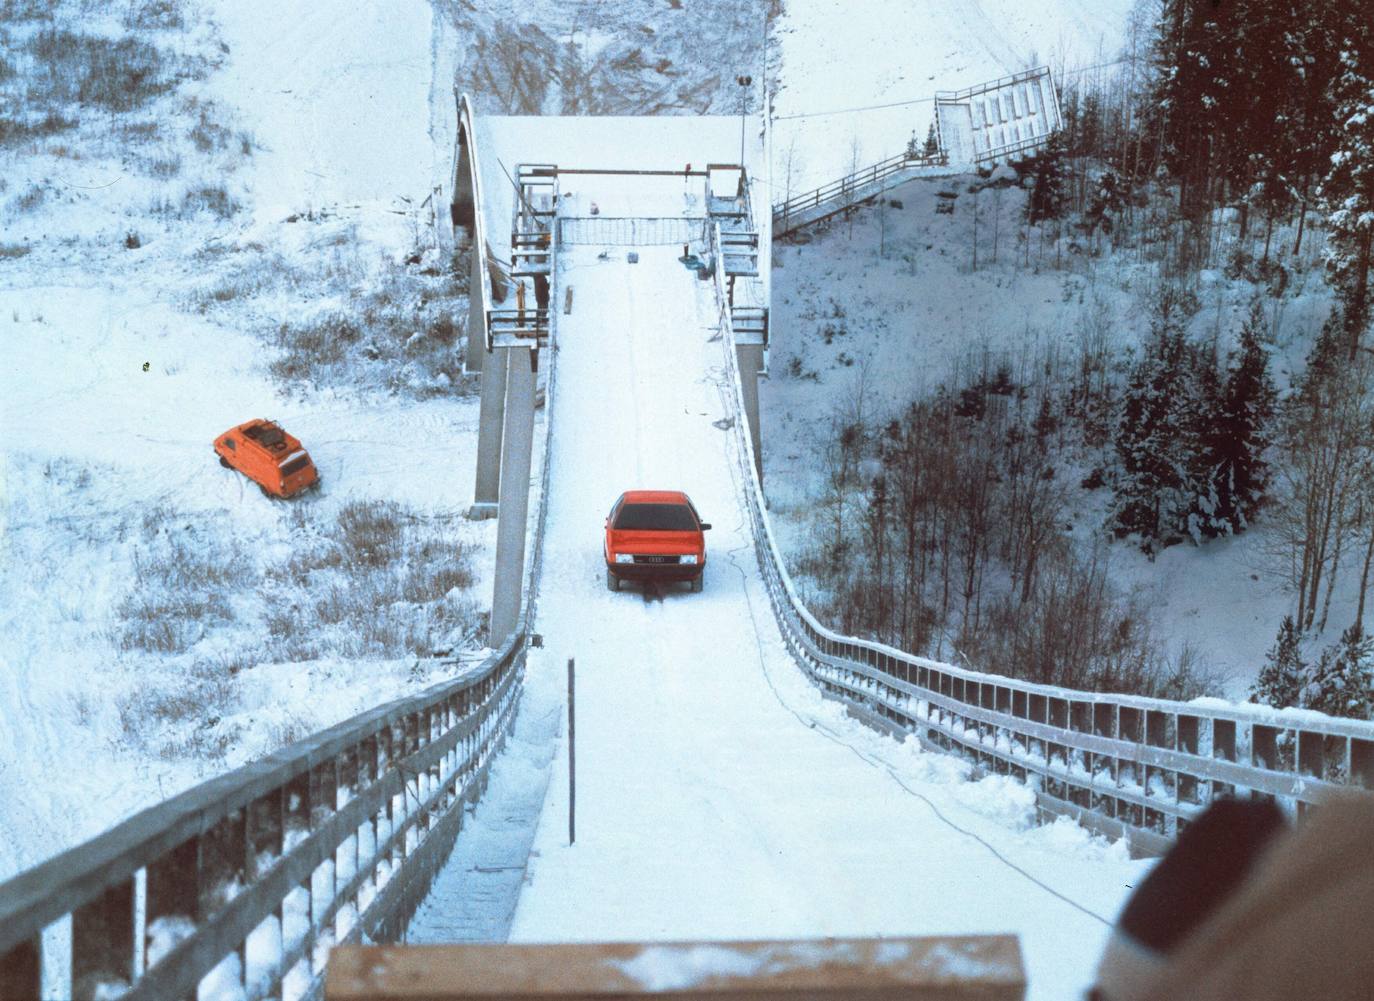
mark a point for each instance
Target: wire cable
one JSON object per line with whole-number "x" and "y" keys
{"x": 926, "y": 100}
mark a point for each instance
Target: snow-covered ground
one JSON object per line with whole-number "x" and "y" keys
{"x": 718, "y": 795}
{"x": 339, "y": 96}
{"x": 131, "y": 335}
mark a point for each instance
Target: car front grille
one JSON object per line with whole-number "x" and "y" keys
{"x": 657, "y": 559}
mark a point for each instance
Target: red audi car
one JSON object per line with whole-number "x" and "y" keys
{"x": 655, "y": 536}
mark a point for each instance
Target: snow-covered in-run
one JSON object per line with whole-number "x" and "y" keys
{"x": 718, "y": 795}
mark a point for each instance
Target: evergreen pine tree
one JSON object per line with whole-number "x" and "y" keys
{"x": 1348, "y": 189}
{"x": 1048, "y": 189}
{"x": 1281, "y": 680}
{"x": 932, "y": 147}
{"x": 1188, "y": 49}
{"x": 1200, "y": 407}
{"x": 1135, "y": 507}
{"x": 1343, "y": 681}
{"x": 1312, "y": 42}
{"x": 1241, "y": 433}
{"x": 1105, "y": 204}
{"x": 1153, "y": 440}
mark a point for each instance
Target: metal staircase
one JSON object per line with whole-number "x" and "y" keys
{"x": 853, "y": 189}
{"x": 531, "y": 256}
{"x": 739, "y": 237}
{"x": 532, "y": 233}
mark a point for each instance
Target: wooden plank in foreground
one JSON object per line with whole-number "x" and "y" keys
{"x": 955, "y": 968}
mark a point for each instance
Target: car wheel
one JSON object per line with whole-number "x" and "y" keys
{"x": 267, "y": 493}
{"x": 699, "y": 582}
{"x": 225, "y": 462}
{"x": 612, "y": 582}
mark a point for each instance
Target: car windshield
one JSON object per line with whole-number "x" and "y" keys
{"x": 660, "y": 517}
{"x": 295, "y": 465}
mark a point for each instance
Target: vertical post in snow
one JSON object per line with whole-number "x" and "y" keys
{"x": 744, "y": 82}
{"x": 572, "y": 760}
{"x": 741, "y": 128}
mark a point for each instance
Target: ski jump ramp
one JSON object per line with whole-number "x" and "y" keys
{"x": 721, "y": 796}
{"x": 718, "y": 794}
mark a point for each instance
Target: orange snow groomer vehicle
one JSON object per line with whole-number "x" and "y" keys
{"x": 268, "y": 456}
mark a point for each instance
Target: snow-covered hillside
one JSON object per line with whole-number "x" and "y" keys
{"x": 858, "y": 80}
{"x": 871, "y": 316}
{"x": 229, "y": 241}
{"x": 875, "y": 312}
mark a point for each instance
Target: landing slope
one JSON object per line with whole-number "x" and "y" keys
{"x": 717, "y": 795}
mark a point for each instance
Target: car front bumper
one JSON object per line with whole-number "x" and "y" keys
{"x": 656, "y": 571}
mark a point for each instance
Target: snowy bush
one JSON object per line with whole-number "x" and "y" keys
{"x": 398, "y": 333}
{"x": 373, "y": 580}
{"x": 1342, "y": 681}
{"x": 113, "y": 74}
{"x": 152, "y": 15}
{"x": 380, "y": 581}
{"x": 184, "y": 577}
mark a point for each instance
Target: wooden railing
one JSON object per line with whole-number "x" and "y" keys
{"x": 952, "y": 968}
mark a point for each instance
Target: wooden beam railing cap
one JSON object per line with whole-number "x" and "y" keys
{"x": 952, "y": 968}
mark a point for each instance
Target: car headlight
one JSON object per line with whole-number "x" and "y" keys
{"x": 624, "y": 558}
{"x": 691, "y": 560}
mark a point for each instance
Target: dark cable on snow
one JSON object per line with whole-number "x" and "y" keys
{"x": 845, "y": 111}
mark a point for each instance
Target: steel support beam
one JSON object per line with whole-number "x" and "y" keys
{"x": 516, "y": 452}
{"x": 750, "y": 359}
{"x": 490, "y": 430}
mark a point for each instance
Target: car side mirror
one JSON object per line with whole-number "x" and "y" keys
{"x": 705, "y": 525}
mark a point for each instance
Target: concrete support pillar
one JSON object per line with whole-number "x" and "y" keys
{"x": 516, "y": 453}
{"x": 750, "y": 359}
{"x": 490, "y": 429}
{"x": 477, "y": 318}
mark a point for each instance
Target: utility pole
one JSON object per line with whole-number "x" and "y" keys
{"x": 744, "y": 84}
{"x": 572, "y": 759}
